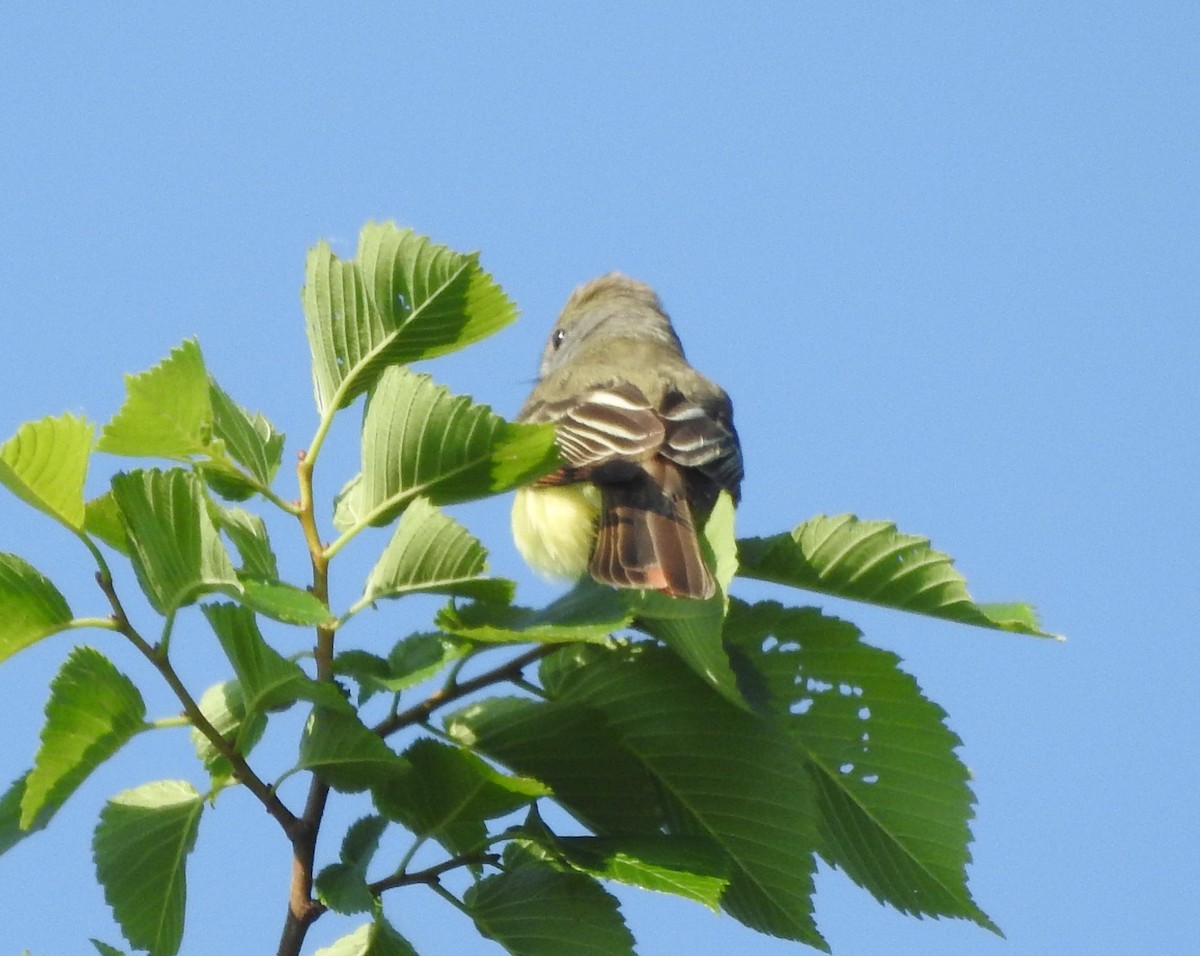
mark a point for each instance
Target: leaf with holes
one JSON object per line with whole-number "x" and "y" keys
{"x": 894, "y": 796}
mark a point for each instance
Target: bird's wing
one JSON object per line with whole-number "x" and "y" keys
{"x": 608, "y": 425}
{"x": 703, "y": 439}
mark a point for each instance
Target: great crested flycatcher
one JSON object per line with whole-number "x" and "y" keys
{"x": 647, "y": 442}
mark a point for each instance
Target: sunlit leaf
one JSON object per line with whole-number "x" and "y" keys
{"x": 45, "y": 465}
{"x": 414, "y": 659}
{"x": 249, "y": 439}
{"x": 431, "y": 552}
{"x": 248, "y": 532}
{"x": 30, "y": 606}
{"x": 420, "y": 440}
{"x": 370, "y": 939}
{"x": 11, "y": 831}
{"x": 871, "y": 561}
{"x": 167, "y": 411}
{"x": 284, "y": 602}
{"x": 141, "y": 847}
{"x": 92, "y": 711}
{"x": 403, "y": 298}
{"x": 177, "y": 552}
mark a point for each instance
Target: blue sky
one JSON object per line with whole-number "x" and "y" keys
{"x": 945, "y": 258}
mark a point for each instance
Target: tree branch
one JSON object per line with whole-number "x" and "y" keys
{"x": 430, "y": 874}
{"x": 241, "y": 769}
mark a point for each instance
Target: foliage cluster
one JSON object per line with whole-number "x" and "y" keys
{"x": 715, "y": 750}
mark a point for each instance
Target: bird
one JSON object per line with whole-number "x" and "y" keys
{"x": 647, "y": 444}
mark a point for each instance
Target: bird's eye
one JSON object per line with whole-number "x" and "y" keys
{"x": 557, "y": 337}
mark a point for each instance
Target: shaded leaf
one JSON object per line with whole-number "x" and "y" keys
{"x": 414, "y": 659}
{"x": 102, "y": 519}
{"x": 248, "y": 532}
{"x": 105, "y": 950}
{"x": 871, "y": 561}
{"x": 250, "y": 440}
{"x": 45, "y": 465}
{"x": 339, "y": 749}
{"x": 342, "y": 886}
{"x": 431, "y": 552}
{"x": 225, "y": 708}
{"x": 268, "y": 680}
{"x": 895, "y": 800}
{"x": 11, "y": 831}
{"x": 177, "y": 552}
{"x": 420, "y": 440}
{"x": 448, "y": 794}
{"x": 588, "y": 612}
{"x": 30, "y": 606}
{"x": 532, "y": 909}
{"x": 403, "y": 298}
{"x": 731, "y": 778}
{"x": 571, "y": 750}
{"x": 284, "y": 602}
{"x": 141, "y": 847}
{"x": 92, "y": 711}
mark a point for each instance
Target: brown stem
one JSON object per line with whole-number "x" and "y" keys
{"x": 430, "y": 874}
{"x": 452, "y": 692}
{"x": 241, "y": 769}
{"x": 303, "y": 910}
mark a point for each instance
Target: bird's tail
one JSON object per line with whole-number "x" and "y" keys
{"x": 647, "y": 538}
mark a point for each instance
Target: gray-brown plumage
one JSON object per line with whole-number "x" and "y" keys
{"x": 637, "y": 421}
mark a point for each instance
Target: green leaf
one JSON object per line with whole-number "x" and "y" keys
{"x": 250, "y": 440}
{"x": 448, "y": 793}
{"x": 92, "y": 711}
{"x": 666, "y": 863}
{"x": 732, "y": 779}
{"x": 431, "y": 552}
{"x": 414, "y": 659}
{"x": 588, "y": 612}
{"x": 105, "y": 950}
{"x": 30, "y": 606}
{"x": 45, "y": 465}
{"x": 420, "y": 440}
{"x": 284, "y": 602}
{"x": 11, "y": 831}
{"x": 268, "y": 680}
{"x": 225, "y": 707}
{"x": 404, "y": 298}
{"x": 342, "y": 886}
{"x": 102, "y": 519}
{"x": 370, "y": 939}
{"x": 573, "y": 751}
{"x": 532, "y": 909}
{"x": 339, "y": 749}
{"x": 167, "y": 411}
{"x": 141, "y": 847}
{"x": 177, "y": 551}
{"x": 873, "y": 562}
{"x": 248, "y": 532}
{"x": 895, "y": 800}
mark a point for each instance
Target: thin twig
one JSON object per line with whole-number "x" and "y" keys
{"x": 241, "y": 769}
{"x": 419, "y": 713}
{"x": 431, "y": 874}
